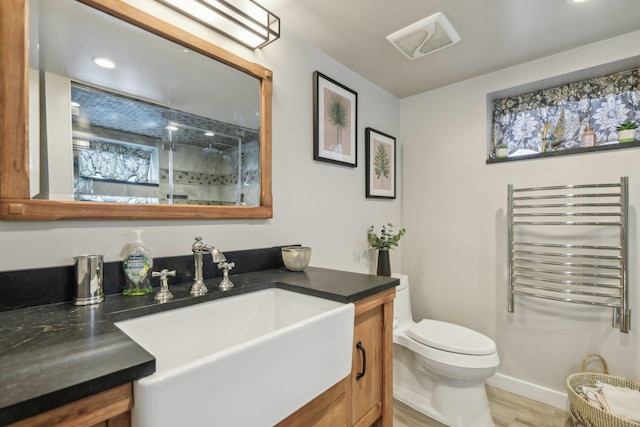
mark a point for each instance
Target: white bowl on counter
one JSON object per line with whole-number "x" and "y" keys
{"x": 296, "y": 258}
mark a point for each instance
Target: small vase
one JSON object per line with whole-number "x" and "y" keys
{"x": 384, "y": 266}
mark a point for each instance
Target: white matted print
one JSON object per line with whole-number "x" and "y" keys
{"x": 335, "y": 121}
{"x": 380, "y": 154}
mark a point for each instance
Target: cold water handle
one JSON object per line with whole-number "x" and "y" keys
{"x": 163, "y": 294}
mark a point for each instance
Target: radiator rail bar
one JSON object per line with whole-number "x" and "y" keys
{"x": 568, "y": 282}
{"x": 571, "y": 300}
{"x": 566, "y": 187}
{"x": 570, "y": 205}
{"x": 569, "y": 291}
{"x": 568, "y": 273}
{"x": 567, "y": 255}
{"x": 567, "y": 196}
{"x": 568, "y": 264}
{"x": 568, "y": 245}
{"x": 616, "y": 224}
{"x": 592, "y": 271}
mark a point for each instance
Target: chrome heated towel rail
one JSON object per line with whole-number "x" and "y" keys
{"x": 569, "y": 243}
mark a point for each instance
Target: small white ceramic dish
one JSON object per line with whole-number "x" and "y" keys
{"x": 296, "y": 258}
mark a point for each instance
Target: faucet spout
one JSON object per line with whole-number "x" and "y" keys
{"x": 198, "y": 248}
{"x": 217, "y": 256}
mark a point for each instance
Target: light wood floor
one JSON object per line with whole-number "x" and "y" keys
{"x": 507, "y": 410}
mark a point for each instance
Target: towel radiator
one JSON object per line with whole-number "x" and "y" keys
{"x": 569, "y": 243}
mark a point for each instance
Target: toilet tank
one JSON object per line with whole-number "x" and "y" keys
{"x": 402, "y": 303}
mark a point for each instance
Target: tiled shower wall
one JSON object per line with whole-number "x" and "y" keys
{"x": 199, "y": 177}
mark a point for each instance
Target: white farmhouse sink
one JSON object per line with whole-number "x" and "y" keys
{"x": 247, "y": 360}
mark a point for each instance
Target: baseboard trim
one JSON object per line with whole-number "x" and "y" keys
{"x": 530, "y": 391}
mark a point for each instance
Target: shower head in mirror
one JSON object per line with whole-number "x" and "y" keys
{"x": 211, "y": 149}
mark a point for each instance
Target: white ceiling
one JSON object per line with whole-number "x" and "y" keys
{"x": 495, "y": 34}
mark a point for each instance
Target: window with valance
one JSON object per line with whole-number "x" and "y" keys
{"x": 554, "y": 119}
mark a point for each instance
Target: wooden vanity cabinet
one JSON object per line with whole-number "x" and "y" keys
{"x": 110, "y": 408}
{"x": 365, "y": 397}
{"x": 370, "y": 391}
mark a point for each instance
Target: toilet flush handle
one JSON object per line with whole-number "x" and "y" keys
{"x": 364, "y": 361}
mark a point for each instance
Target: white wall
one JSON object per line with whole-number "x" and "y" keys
{"x": 59, "y": 160}
{"x": 454, "y": 209}
{"x": 317, "y": 204}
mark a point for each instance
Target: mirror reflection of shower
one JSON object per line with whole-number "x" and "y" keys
{"x": 227, "y": 150}
{"x": 163, "y": 156}
{"x": 236, "y": 163}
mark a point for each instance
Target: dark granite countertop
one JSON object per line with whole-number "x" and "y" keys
{"x": 54, "y": 354}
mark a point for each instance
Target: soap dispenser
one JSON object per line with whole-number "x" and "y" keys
{"x": 137, "y": 268}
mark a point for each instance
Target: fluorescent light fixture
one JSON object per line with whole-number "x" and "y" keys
{"x": 243, "y": 21}
{"x": 209, "y": 133}
{"x": 172, "y": 127}
{"x": 103, "y": 62}
{"x": 575, "y": 1}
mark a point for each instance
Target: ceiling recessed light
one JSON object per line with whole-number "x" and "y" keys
{"x": 575, "y": 1}
{"x": 103, "y": 62}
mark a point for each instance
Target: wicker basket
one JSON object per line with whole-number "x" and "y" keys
{"x": 587, "y": 415}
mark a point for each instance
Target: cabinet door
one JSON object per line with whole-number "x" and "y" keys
{"x": 328, "y": 409}
{"x": 366, "y": 373}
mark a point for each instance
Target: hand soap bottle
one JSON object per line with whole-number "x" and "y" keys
{"x": 137, "y": 268}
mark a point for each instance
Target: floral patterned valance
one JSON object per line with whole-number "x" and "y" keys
{"x": 105, "y": 160}
{"x": 555, "y": 118}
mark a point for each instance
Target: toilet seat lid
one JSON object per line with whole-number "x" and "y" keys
{"x": 450, "y": 337}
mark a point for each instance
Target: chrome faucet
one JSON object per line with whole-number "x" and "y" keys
{"x": 198, "y": 248}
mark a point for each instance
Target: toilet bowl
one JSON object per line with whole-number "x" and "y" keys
{"x": 439, "y": 368}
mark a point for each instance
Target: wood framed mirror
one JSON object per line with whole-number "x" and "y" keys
{"x": 19, "y": 201}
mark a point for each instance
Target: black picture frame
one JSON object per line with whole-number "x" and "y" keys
{"x": 335, "y": 122}
{"x": 380, "y": 157}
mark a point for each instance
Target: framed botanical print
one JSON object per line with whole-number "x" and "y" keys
{"x": 380, "y": 155}
{"x": 335, "y": 122}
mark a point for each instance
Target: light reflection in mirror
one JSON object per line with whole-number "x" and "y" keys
{"x": 122, "y": 151}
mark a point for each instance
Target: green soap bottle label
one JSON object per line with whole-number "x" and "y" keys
{"x": 137, "y": 267}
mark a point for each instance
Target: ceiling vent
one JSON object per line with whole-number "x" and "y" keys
{"x": 425, "y": 36}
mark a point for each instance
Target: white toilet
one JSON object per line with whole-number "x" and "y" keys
{"x": 439, "y": 368}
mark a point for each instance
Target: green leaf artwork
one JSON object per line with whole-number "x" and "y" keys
{"x": 382, "y": 163}
{"x": 337, "y": 111}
